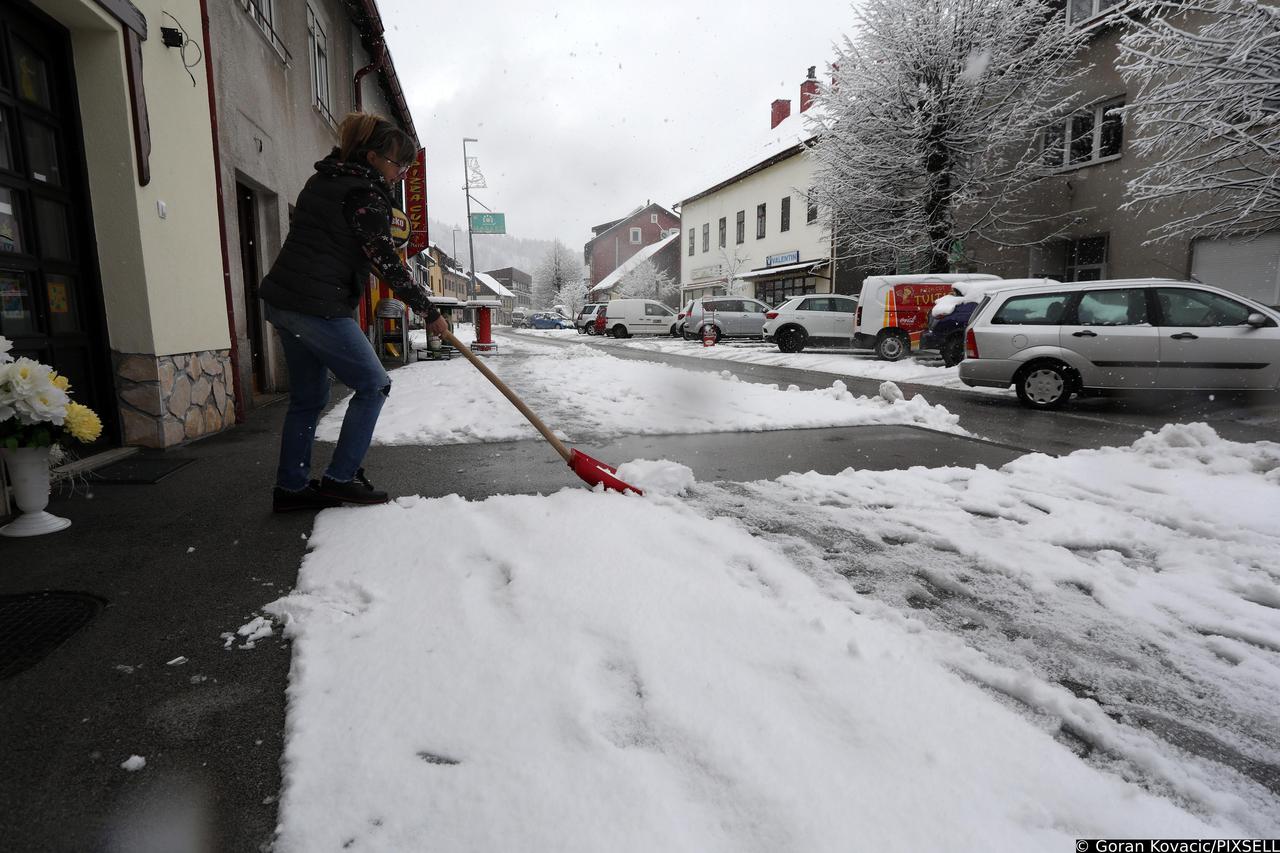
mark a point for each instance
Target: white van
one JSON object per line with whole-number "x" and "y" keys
{"x": 893, "y": 310}
{"x": 627, "y": 317}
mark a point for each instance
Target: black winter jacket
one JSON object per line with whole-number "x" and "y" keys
{"x": 341, "y": 232}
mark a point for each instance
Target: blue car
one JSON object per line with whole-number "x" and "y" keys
{"x": 549, "y": 321}
{"x": 946, "y": 333}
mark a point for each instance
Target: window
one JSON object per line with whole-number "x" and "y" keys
{"x": 652, "y": 310}
{"x": 706, "y": 236}
{"x": 264, "y": 15}
{"x": 653, "y": 217}
{"x": 691, "y": 239}
{"x": 1087, "y": 259}
{"x": 786, "y": 215}
{"x": 635, "y": 235}
{"x": 779, "y": 290}
{"x": 1044, "y": 309}
{"x": 1082, "y": 11}
{"x": 1180, "y": 306}
{"x": 723, "y": 231}
{"x": 318, "y": 41}
{"x": 760, "y": 221}
{"x": 1089, "y": 136}
{"x": 811, "y": 208}
{"x": 1112, "y": 308}
{"x": 742, "y": 226}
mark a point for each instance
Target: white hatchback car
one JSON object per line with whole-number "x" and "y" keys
{"x": 825, "y": 319}
{"x": 1050, "y": 342}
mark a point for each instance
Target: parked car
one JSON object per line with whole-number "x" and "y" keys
{"x": 519, "y": 318}
{"x": 1052, "y": 341}
{"x": 727, "y": 316}
{"x": 677, "y": 330}
{"x": 585, "y": 322}
{"x": 950, "y": 315}
{"x": 893, "y": 310}
{"x": 824, "y": 319}
{"x": 627, "y": 317}
{"x": 549, "y": 320}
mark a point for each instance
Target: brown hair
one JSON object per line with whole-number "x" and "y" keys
{"x": 360, "y": 133}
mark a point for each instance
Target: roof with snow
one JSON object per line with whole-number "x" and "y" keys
{"x": 493, "y": 284}
{"x": 596, "y": 235}
{"x": 632, "y": 262}
{"x": 792, "y": 135}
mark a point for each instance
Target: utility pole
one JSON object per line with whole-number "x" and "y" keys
{"x": 471, "y": 247}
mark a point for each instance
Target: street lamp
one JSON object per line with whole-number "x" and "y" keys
{"x": 471, "y": 248}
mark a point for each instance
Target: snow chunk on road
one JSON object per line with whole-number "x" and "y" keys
{"x": 133, "y": 763}
{"x": 657, "y": 477}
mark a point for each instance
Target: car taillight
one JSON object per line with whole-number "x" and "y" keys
{"x": 771, "y": 315}
{"x": 857, "y": 316}
{"x": 680, "y": 316}
{"x": 970, "y": 345}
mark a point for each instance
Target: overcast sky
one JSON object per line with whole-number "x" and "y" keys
{"x": 585, "y": 110}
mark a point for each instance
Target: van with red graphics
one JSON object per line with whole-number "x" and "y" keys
{"x": 893, "y": 310}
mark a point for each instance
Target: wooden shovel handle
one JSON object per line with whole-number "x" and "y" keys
{"x": 509, "y": 394}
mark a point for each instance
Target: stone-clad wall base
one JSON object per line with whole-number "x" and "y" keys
{"x": 166, "y": 400}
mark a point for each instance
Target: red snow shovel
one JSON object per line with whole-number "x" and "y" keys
{"x": 592, "y": 471}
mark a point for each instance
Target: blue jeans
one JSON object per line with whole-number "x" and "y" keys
{"x": 313, "y": 346}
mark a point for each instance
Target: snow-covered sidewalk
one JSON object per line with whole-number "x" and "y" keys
{"x": 589, "y": 394}
{"x": 806, "y": 664}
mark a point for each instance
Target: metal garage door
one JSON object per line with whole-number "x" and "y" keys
{"x": 1248, "y": 267}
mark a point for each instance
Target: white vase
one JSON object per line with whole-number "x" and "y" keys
{"x": 29, "y": 476}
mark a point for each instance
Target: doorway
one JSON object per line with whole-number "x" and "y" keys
{"x": 247, "y": 214}
{"x": 50, "y": 295}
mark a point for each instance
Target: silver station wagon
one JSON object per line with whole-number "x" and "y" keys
{"x": 1052, "y": 341}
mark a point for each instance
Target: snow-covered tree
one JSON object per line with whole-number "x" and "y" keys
{"x": 573, "y": 295}
{"x": 1206, "y": 112}
{"x": 930, "y": 130}
{"x": 732, "y": 262}
{"x": 647, "y": 280}
{"x": 558, "y": 267}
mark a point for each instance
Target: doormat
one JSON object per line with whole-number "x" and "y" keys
{"x": 139, "y": 470}
{"x": 33, "y": 624}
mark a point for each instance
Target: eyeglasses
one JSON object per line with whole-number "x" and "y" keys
{"x": 400, "y": 167}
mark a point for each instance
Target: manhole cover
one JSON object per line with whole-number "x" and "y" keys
{"x": 35, "y": 623}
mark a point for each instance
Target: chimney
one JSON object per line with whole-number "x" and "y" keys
{"x": 809, "y": 89}
{"x": 781, "y": 109}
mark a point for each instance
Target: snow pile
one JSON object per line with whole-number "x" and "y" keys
{"x": 657, "y": 477}
{"x": 589, "y": 394}
{"x": 588, "y": 671}
{"x": 1129, "y": 594}
{"x": 133, "y": 763}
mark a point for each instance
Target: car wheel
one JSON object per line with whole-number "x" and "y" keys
{"x": 684, "y": 333}
{"x": 674, "y": 333}
{"x": 620, "y": 331}
{"x": 952, "y": 350}
{"x": 892, "y": 346}
{"x": 1044, "y": 385}
{"x": 591, "y": 330}
{"x": 791, "y": 340}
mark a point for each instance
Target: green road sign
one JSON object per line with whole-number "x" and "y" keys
{"x": 488, "y": 223}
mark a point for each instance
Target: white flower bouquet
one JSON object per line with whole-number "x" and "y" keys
{"x": 36, "y": 409}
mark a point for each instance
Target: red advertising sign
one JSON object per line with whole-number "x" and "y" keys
{"x": 415, "y": 202}
{"x": 907, "y": 307}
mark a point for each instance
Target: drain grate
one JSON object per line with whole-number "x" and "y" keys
{"x": 33, "y": 624}
{"x": 139, "y": 470}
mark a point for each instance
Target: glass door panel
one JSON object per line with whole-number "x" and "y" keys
{"x": 17, "y": 305}
{"x": 64, "y": 310}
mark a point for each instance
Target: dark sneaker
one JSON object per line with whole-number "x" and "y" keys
{"x": 358, "y": 491}
{"x": 306, "y": 498}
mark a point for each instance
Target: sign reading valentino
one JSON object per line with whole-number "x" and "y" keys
{"x": 415, "y": 202}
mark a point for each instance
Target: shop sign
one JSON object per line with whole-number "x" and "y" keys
{"x": 399, "y": 227}
{"x": 707, "y": 272}
{"x": 783, "y": 259}
{"x": 415, "y": 202}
